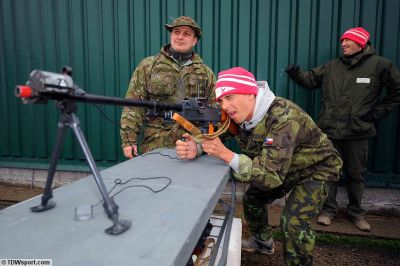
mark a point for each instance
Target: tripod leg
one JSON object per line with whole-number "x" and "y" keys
{"x": 109, "y": 205}
{"x": 47, "y": 194}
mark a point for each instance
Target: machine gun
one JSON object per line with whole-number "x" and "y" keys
{"x": 43, "y": 86}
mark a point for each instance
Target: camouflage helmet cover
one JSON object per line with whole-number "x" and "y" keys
{"x": 185, "y": 21}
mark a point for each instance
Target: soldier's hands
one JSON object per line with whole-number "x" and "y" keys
{"x": 216, "y": 148}
{"x": 186, "y": 148}
{"x": 128, "y": 151}
{"x": 292, "y": 69}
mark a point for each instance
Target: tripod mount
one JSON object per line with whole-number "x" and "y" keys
{"x": 69, "y": 119}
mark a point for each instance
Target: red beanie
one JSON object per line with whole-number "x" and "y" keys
{"x": 236, "y": 80}
{"x": 358, "y": 35}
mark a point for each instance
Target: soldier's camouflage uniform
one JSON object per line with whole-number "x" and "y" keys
{"x": 161, "y": 78}
{"x": 286, "y": 153}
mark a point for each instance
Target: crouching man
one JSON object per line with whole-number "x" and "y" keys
{"x": 282, "y": 152}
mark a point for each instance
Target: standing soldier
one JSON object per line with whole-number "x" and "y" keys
{"x": 283, "y": 152}
{"x": 172, "y": 75}
{"x": 351, "y": 86}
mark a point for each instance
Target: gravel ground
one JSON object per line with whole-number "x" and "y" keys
{"x": 328, "y": 254}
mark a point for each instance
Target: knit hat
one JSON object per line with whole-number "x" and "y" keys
{"x": 185, "y": 21}
{"x": 358, "y": 35}
{"x": 236, "y": 80}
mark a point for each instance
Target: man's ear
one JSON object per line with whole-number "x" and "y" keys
{"x": 195, "y": 41}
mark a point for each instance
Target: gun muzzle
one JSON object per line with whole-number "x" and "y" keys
{"x": 23, "y": 91}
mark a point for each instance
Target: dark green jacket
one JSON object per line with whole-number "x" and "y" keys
{"x": 350, "y": 90}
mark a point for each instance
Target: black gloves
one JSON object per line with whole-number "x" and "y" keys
{"x": 368, "y": 117}
{"x": 292, "y": 69}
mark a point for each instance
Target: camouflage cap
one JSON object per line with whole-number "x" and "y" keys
{"x": 185, "y": 21}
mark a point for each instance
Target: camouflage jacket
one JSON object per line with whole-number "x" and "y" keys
{"x": 286, "y": 148}
{"x": 161, "y": 78}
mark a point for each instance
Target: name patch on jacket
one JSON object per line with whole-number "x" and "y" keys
{"x": 363, "y": 80}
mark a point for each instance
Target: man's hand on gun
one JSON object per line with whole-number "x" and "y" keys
{"x": 186, "y": 148}
{"x": 215, "y": 147}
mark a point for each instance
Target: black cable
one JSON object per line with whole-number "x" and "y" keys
{"x": 115, "y": 123}
{"x": 159, "y": 153}
{"x": 118, "y": 182}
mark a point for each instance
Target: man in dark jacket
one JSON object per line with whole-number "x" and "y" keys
{"x": 351, "y": 86}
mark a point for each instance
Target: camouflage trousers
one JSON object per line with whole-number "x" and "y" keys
{"x": 303, "y": 203}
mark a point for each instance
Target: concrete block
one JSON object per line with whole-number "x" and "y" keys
{"x": 20, "y": 176}
{"x": 381, "y": 201}
{"x": 40, "y": 177}
{"x": 4, "y": 174}
{"x": 69, "y": 176}
{"x": 60, "y": 177}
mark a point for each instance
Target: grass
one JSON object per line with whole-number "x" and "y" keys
{"x": 333, "y": 239}
{"x": 390, "y": 244}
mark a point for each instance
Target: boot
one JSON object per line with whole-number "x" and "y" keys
{"x": 324, "y": 219}
{"x": 254, "y": 244}
{"x": 362, "y": 224}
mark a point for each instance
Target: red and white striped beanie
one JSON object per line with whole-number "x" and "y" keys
{"x": 236, "y": 80}
{"x": 358, "y": 35}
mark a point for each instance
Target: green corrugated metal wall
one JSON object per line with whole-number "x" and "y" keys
{"x": 104, "y": 40}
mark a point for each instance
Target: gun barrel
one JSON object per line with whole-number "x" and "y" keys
{"x": 23, "y": 91}
{"x": 91, "y": 98}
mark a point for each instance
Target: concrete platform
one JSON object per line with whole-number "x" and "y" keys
{"x": 165, "y": 225}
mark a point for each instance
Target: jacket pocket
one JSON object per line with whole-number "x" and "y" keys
{"x": 324, "y": 119}
{"x": 198, "y": 84}
{"x": 161, "y": 84}
{"x": 358, "y": 125}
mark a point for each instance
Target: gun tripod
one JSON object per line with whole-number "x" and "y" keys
{"x": 69, "y": 119}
